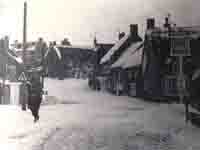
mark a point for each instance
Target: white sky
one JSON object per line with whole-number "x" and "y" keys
{"x": 79, "y": 20}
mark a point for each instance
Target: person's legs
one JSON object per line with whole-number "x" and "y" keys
{"x": 31, "y": 107}
{"x": 36, "y": 111}
{"x": 34, "y": 107}
{"x": 23, "y": 106}
{"x": 37, "y": 107}
{"x": 24, "y": 103}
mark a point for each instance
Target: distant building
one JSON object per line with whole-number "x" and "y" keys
{"x": 11, "y": 64}
{"x": 34, "y": 52}
{"x": 69, "y": 61}
{"x": 100, "y": 50}
{"x": 109, "y": 75}
{"x": 11, "y": 67}
{"x": 125, "y": 71}
{"x": 53, "y": 60}
{"x": 40, "y": 50}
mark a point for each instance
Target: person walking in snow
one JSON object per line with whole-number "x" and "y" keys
{"x": 35, "y": 96}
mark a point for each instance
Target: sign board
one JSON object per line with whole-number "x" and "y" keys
{"x": 180, "y": 46}
{"x": 22, "y": 77}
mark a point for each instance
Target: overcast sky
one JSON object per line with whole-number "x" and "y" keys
{"x": 79, "y": 20}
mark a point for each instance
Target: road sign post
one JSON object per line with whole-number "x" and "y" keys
{"x": 22, "y": 77}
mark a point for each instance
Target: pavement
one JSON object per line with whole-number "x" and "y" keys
{"x": 74, "y": 117}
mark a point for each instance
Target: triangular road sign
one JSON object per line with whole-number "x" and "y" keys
{"x": 22, "y": 77}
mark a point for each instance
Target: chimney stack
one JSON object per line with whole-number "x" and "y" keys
{"x": 150, "y": 23}
{"x": 134, "y": 30}
{"x": 167, "y": 24}
{"x": 95, "y": 42}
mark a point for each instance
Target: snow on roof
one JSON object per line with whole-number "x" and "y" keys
{"x": 114, "y": 49}
{"x": 96, "y": 48}
{"x": 58, "y": 53}
{"x": 47, "y": 52}
{"x": 19, "y": 60}
{"x": 75, "y": 46}
{"x": 16, "y": 58}
{"x": 131, "y": 57}
{"x": 134, "y": 59}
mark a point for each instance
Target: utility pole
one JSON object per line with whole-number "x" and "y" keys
{"x": 24, "y": 33}
{"x": 24, "y": 44}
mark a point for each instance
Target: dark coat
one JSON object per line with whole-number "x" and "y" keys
{"x": 35, "y": 94}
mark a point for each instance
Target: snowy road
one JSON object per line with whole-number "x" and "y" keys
{"x": 87, "y": 120}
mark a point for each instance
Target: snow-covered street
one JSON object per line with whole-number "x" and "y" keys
{"x": 77, "y": 118}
